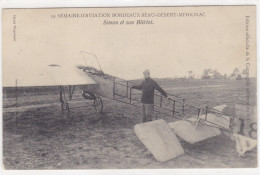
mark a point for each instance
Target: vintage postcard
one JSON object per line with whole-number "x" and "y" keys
{"x": 129, "y": 88}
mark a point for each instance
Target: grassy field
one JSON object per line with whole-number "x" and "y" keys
{"x": 41, "y": 138}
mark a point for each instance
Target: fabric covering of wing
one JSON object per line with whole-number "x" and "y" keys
{"x": 50, "y": 76}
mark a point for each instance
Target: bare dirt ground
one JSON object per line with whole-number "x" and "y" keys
{"x": 43, "y": 139}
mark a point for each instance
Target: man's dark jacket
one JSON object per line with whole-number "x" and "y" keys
{"x": 148, "y": 86}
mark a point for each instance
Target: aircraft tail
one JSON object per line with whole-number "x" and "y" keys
{"x": 244, "y": 144}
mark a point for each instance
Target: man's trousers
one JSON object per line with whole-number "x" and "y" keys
{"x": 147, "y": 110}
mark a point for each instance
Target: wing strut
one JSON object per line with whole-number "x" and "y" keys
{"x": 92, "y": 55}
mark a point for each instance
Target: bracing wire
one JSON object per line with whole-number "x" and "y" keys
{"x": 92, "y": 55}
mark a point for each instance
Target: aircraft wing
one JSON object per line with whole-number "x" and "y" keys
{"x": 127, "y": 69}
{"x": 191, "y": 133}
{"x": 48, "y": 76}
{"x": 214, "y": 120}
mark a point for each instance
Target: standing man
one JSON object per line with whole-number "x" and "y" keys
{"x": 148, "y": 86}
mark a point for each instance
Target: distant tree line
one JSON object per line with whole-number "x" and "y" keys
{"x": 214, "y": 74}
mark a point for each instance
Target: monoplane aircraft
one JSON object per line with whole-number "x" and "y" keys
{"x": 196, "y": 122}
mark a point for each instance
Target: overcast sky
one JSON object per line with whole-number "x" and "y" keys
{"x": 170, "y": 47}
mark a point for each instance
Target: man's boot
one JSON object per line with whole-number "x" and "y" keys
{"x": 149, "y": 118}
{"x": 144, "y": 119}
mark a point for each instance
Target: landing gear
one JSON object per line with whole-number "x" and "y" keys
{"x": 65, "y": 109}
{"x": 91, "y": 100}
{"x": 98, "y": 105}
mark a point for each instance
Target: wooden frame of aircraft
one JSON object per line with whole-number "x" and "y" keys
{"x": 201, "y": 120}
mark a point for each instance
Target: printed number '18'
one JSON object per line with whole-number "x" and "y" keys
{"x": 253, "y": 129}
{"x": 253, "y": 132}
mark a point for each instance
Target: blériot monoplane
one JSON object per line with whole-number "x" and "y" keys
{"x": 195, "y": 122}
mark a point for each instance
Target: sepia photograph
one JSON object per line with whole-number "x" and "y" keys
{"x": 129, "y": 88}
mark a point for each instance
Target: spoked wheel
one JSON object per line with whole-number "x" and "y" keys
{"x": 66, "y": 109}
{"x": 98, "y": 105}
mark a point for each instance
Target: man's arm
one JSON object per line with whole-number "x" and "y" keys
{"x": 158, "y": 88}
{"x": 139, "y": 87}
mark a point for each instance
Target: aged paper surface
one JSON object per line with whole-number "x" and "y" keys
{"x": 206, "y": 54}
